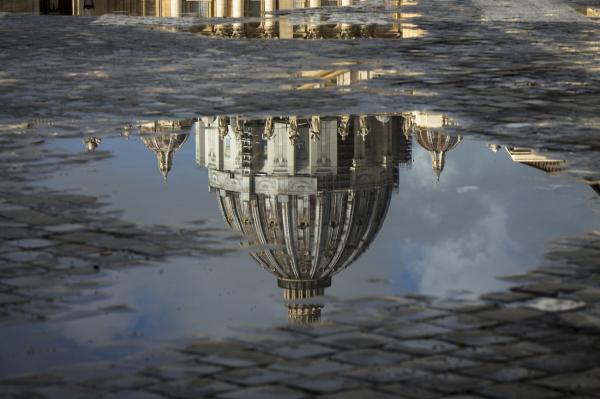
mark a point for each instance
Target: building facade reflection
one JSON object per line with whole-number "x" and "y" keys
{"x": 272, "y": 24}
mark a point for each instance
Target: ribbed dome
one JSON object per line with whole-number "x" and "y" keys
{"x": 437, "y": 144}
{"x": 164, "y": 145}
{"x": 305, "y": 239}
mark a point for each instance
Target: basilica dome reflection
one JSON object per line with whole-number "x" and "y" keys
{"x": 164, "y": 138}
{"x": 308, "y": 194}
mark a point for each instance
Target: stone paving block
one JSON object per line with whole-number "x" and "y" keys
{"x": 503, "y": 372}
{"x": 560, "y": 363}
{"x": 422, "y": 346}
{"x": 228, "y": 354}
{"x": 531, "y": 331}
{"x": 448, "y": 383}
{"x": 361, "y": 394}
{"x": 517, "y": 391}
{"x": 325, "y": 384}
{"x": 588, "y": 294}
{"x": 505, "y": 352}
{"x": 254, "y": 376}
{"x": 462, "y": 306}
{"x": 370, "y": 357}
{"x": 310, "y": 367}
{"x": 131, "y": 394}
{"x": 386, "y": 374}
{"x": 422, "y": 314}
{"x": 510, "y": 314}
{"x": 303, "y": 350}
{"x": 463, "y": 322}
{"x": 476, "y": 338}
{"x": 325, "y": 328}
{"x": 506, "y": 296}
{"x": 194, "y": 388}
{"x": 31, "y": 243}
{"x": 412, "y": 330}
{"x": 264, "y": 392}
{"x": 409, "y": 391}
{"x": 10, "y": 299}
{"x": 581, "y": 320}
{"x": 548, "y": 288}
{"x": 579, "y": 382}
{"x": 545, "y": 304}
{"x": 441, "y": 363}
{"x": 354, "y": 340}
{"x": 464, "y": 397}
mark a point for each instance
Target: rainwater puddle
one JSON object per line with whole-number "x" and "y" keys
{"x": 326, "y": 207}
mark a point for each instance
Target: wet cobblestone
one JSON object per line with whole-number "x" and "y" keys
{"x": 55, "y": 246}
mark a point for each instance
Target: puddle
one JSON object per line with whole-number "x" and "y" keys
{"x": 330, "y": 207}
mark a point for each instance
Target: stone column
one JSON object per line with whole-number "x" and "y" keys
{"x": 238, "y": 12}
{"x": 220, "y": 8}
{"x": 175, "y": 8}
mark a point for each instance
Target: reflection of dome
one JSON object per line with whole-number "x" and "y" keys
{"x": 437, "y": 144}
{"x": 164, "y": 145}
{"x": 160, "y": 137}
{"x": 307, "y": 238}
{"x": 310, "y": 206}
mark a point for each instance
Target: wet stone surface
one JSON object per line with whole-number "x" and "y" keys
{"x": 526, "y": 75}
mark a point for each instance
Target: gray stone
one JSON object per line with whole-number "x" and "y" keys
{"x": 370, "y": 357}
{"x": 517, "y": 391}
{"x": 254, "y": 376}
{"x": 310, "y": 367}
{"x": 506, "y": 296}
{"x": 325, "y": 384}
{"x": 560, "y": 363}
{"x": 476, "y": 338}
{"x": 502, "y": 372}
{"x": 412, "y": 330}
{"x": 354, "y": 340}
{"x": 299, "y": 351}
{"x": 441, "y": 363}
{"x": 386, "y": 374}
{"x": 579, "y": 382}
{"x": 264, "y": 392}
{"x": 31, "y": 243}
{"x": 510, "y": 315}
{"x": 409, "y": 391}
{"x": 462, "y": 322}
{"x": 361, "y": 394}
{"x": 422, "y": 346}
{"x": 449, "y": 383}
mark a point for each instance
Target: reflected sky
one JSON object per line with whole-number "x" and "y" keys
{"x": 450, "y": 235}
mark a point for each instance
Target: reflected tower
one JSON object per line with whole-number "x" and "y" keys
{"x": 308, "y": 194}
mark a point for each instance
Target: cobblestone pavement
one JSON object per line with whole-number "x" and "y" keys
{"x": 533, "y": 80}
{"x": 539, "y": 340}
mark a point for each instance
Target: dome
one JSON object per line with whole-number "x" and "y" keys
{"x": 437, "y": 144}
{"x": 164, "y": 145}
{"x": 304, "y": 239}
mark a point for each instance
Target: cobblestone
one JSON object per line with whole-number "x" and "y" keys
{"x": 54, "y": 246}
